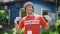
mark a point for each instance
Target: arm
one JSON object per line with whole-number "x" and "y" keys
{"x": 17, "y": 27}
{"x": 20, "y": 26}
{"x": 47, "y": 25}
{"x": 44, "y": 24}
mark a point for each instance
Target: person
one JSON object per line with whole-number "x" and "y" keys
{"x": 31, "y": 21}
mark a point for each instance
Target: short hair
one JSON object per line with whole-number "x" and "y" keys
{"x": 28, "y": 4}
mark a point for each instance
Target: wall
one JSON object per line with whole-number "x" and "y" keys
{"x": 14, "y": 12}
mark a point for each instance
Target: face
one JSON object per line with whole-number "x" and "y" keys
{"x": 29, "y": 9}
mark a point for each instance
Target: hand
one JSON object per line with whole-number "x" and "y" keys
{"x": 17, "y": 19}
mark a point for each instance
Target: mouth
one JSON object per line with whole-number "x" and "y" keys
{"x": 29, "y": 11}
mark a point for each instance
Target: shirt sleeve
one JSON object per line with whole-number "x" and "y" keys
{"x": 21, "y": 24}
{"x": 42, "y": 22}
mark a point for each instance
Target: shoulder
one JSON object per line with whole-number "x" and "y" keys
{"x": 24, "y": 18}
{"x": 36, "y": 15}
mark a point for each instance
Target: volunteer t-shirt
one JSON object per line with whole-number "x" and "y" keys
{"x": 32, "y": 23}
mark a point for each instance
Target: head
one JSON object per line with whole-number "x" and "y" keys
{"x": 29, "y": 8}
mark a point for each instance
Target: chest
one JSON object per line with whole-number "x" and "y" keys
{"x": 31, "y": 21}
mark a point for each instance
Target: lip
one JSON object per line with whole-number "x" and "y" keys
{"x": 29, "y": 11}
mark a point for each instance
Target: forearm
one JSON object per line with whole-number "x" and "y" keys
{"x": 47, "y": 26}
{"x": 17, "y": 27}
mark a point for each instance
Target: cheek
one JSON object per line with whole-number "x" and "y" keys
{"x": 26, "y": 10}
{"x": 32, "y": 9}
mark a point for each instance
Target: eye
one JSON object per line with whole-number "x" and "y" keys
{"x": 30, "y": 7}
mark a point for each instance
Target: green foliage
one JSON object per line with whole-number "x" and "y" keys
{"x": 57, "y": 25}
{"x": 3, "y": 16}
{"x": 55, "y": 32}
{"x": 45, "y": 32}
{"x": 15, "y": 32}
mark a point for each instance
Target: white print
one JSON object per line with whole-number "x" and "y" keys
{"x": 31, "y": 22}
{"x": 29, "y": 32}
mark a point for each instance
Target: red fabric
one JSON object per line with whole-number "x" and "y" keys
{"x": 37, "y": 20}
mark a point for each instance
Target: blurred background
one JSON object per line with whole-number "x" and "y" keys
{"x": 10, "y": 9}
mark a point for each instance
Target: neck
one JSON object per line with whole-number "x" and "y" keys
{"x": 30, "y": 14}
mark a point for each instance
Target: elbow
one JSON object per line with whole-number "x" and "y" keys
{"x": 17, "y": 29}
{"x": 46, "y": 28}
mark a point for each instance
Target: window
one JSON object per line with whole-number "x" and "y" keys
{"x": 45, "y": 11}
{"x": 22, "y": 13}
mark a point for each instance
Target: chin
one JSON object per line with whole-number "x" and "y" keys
{"x": 29, "y": 13}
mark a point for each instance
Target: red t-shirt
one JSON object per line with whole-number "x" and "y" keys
{"x": 35, "y": 22}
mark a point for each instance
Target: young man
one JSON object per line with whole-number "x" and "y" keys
{"x": 31, "y": 21}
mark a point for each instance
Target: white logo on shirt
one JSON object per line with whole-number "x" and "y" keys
{"x": 31, "y": 22}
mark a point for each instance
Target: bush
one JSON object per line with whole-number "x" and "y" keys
{"x": 57, "y": 25}
{"x": 3, "y": 16}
